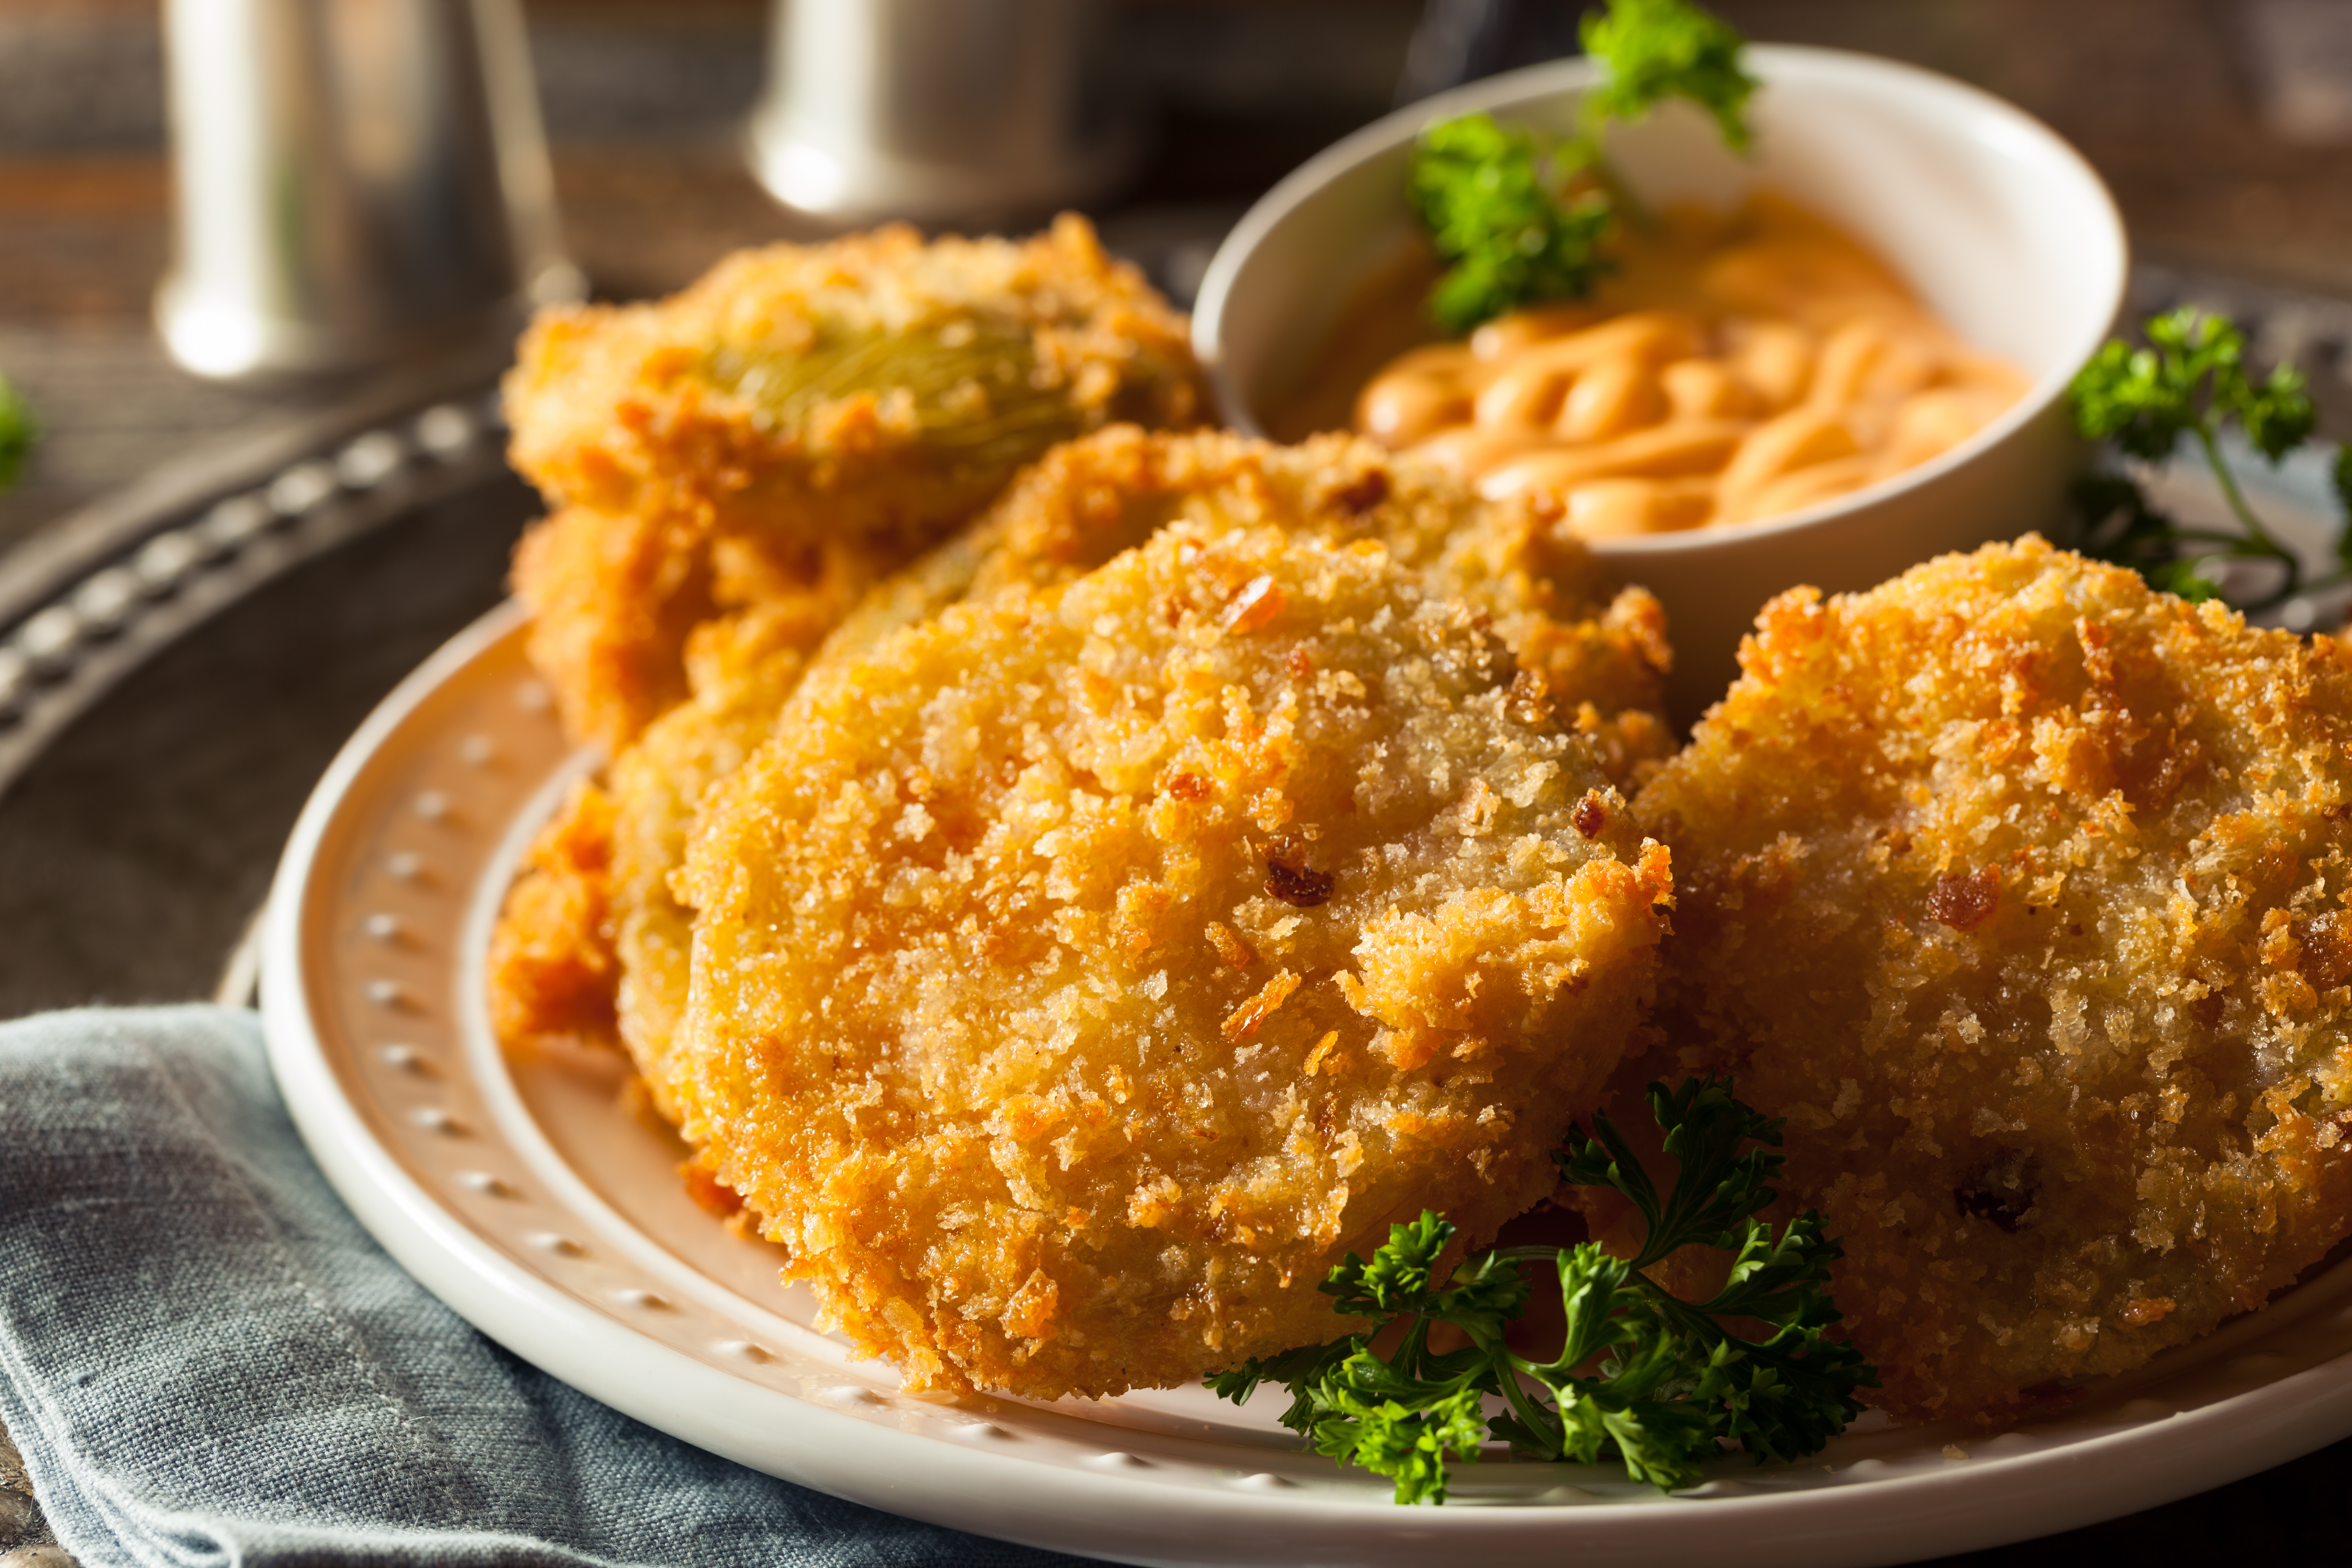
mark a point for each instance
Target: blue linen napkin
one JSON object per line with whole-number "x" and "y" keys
{"x": 205, "y": 1360}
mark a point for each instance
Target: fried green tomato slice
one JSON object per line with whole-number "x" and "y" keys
{"x": 1601, "y": 655}
{"x": 1083, "y": 503}
{"x": 1083, "y": 972}
{"x": 2020, "y": 890}
{"x": 877, "y": 386}
{"x": 872, "y": 393}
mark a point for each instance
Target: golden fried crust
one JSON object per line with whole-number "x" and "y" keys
{"x": 656, "y": 786}
{"x": 1603, "y": 659}
{"x": 742, "y": 668}
{"x": 551, "y": 964}
{"x": 618, "y": 602}
{"x": 1082, "y": 972}
{"x": 736, "y": 670}
{"x": 868, "y": 394}
{"x": 2020, "y": 890}
{"x": 590, "y": 913}
{"x": 1070, "y": 512}
{"x": 612, "y": 598}
{"x": 877, "y": 385}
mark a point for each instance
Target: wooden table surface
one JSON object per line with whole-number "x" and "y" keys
{"x": 2225, "y": 131}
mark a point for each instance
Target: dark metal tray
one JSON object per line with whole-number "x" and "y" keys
{"x": 180, "y": 663}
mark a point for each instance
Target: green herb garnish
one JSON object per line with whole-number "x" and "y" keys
{"x": 1643, "y": 1377}
{"x": 1658, "y": 49}
{"x": 2190, "y": 380}
{"x": 17, "y": 431}
{"x": 1522, "y": 217}
{"x": 1492, "y": 209}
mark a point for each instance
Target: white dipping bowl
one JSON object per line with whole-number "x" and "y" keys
{"x": 1999, "y": 228}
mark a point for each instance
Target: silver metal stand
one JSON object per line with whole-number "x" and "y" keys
{"x": 936, "y": 110}
{"x": 359, "y": 182}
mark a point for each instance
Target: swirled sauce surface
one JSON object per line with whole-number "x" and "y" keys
{"x": 1733, "y": 367}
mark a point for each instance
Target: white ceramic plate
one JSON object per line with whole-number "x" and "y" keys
{"x": 529, "y": 1200}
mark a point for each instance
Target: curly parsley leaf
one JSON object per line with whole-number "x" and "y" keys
{"x": 1521, "y": 218}
{"x": 2135, "y": 397}
{"x": 1642, "y": 1376}
{"x": 1487, "y": 196}
{"x": 1658, "y": 49}
{"x": 2190, "y": 380}
{"x": 2277, "y": 416}
{"x": 17, "y": 428}
{"x": 1719, "y": 1186}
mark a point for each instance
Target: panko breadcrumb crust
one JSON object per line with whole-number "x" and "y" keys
{"x": 873, "y": 392}
{"x": 741, "y": 667}
{"x": 873, "y": 385}
{"x": 612, "y": 596}
{"x": 1078, "y": 975}
{"x": 2020, "y": 889}
{"x": 1070, "y": 512}
{"x": 552, "y": 968}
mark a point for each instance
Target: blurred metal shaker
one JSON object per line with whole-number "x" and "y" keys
{"x": 359, "y": 182}
{"x": 937, "y": 110}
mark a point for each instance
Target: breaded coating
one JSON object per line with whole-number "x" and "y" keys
{"x": 874, "y": 385}
{"x": 736, "y": 670}
{"x": 1080, "y": 974}
{"x": 871, "y": 394}
{"x": 593, "y": 904}
{"x": 617, "y": 599}
{"x": 1069, "y": 513}
{"x": 612, "y": 596}
{"x": 743, "y": 669}
{"x": 552, "y": 964}
{"x": 1603, "y": 658}
{"x": 2020, "y": 889}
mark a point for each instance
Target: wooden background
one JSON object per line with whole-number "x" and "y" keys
{"x": 2225, "y": 129}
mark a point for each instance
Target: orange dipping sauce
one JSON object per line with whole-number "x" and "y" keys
{"x": 1733, "y": 367}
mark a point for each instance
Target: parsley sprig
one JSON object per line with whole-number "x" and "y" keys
{"x": 1658, "y": 49}
{"x": 1642, "y": 1376}
{"x": 2190, "y": 380}
{"x": 17, "y": 431}
{"x": 1522, "y": 217}
{"x": 1490, "y": 197}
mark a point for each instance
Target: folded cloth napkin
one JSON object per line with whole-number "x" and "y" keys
{"x": 205, "y": 1360}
